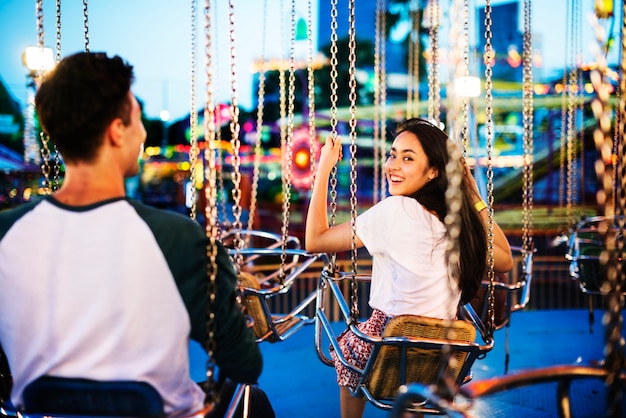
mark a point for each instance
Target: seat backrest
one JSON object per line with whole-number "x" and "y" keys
{"x": 60, "y": 396}
{"x": 423, "y": 365}
{"x": 480, "y": 302}
{"x": 254, "y": 305}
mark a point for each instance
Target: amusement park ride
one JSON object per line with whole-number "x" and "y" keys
{"x": 419, "y": 365}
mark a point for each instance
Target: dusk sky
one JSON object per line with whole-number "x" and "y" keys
{"x": 154, "y": 36}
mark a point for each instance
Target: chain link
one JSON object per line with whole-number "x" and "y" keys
{"x": 465, "y": 105}
{"x": 434, "y": 98}
{"x": 382, "y": 143}
{"x": 193, "y": 114}
{"x": 332, "y": 267}
{"x": 86, "y": 24}
{"x": 527, "y": 117}
{"x": 235, "y": 142}
{"x": 58, "y": 31}
{"x": 574, "y": 95}
{"x": 353, "y": 159}
{"x": 288, "y": 157}
{"x": 489, "y": 59}
{"x": 210, "y": 212}
{"x": 378, "y": 65}
{"x": 311, "y": 90}
{"x": 45, "y": 165}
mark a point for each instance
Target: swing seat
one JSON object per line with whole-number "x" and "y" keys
{"x": 258, "y": 290}
{"x": 411, "y": 349}
{"x": 585, "y": 248}
{"x": 511, "y": 292}
{"x": 397, "y": 365}
{"x": 76, "y": 397}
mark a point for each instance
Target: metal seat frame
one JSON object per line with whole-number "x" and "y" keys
{"x": 271, "y": 326}
{"x": 330, "y": 285}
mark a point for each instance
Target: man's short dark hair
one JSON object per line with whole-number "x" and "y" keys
{"x": 80, "y": 98}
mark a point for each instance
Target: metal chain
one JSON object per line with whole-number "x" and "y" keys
{"x": 45, "y": 165}
{"x": 45, "y": 149}
{"x": 382, "y": 83}
{"x": 573, "y": 96}
{"x": 415, "y": 41}
{"x": 193, "y": 114}
{"x": 465, "y": 105}
{"x": 380, "y": 101}
{"x": 434, "y": 98}
{"x": 562, "y": 147}
{"x": 210, "y": 212}
{"x": 411, "y": 82}
{"x": 353, "y": 159}
{"x": 57, "y": 156}
{"x": 333, "y": 123}
{"x": 380, "y": 10}
{"x": 222, "y": 193}
{"x": 311, "y": 91}
{"x": 287, "y": 163}
{"x": 58, "y": 27}
{"x": 489, "y": 59}
{"x": 527, "y": 117}
{"x": 259, "y": 125}
{"x": 235, "y": 142}
{"x": 86, "y": 24}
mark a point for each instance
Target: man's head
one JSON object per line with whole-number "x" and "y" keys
{"x": 79, "y": 100}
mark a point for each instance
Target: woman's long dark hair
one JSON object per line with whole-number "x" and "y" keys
{"x": 472, "y": 238}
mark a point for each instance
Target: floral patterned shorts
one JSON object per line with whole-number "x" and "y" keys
{"x": 356, "y": 351}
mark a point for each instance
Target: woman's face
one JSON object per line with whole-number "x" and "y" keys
{"x": 407, "y": 166}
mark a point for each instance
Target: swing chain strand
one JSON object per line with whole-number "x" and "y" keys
{"x": 311, "y": 90}
{"x": 291, "y": 98}
{"x": 193, "y": 115}
{"x": 86, "y": 24}
{"x": 332, "y": 264}
{"x": 57, "y": 157}
{"x": 489, "y": 59}
{"x": 210, "y": 213}
{"x": 235, "y": 142}
{"x": 434, "y": 111}
{"x": 58, "y": 31}
{"x": 465, "y": 106}
{"x": 377, "y": 110}
{"x": 527, "y": 112}
{"x": 353, "y": 159}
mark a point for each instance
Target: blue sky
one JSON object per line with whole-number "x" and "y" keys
{"x": 155, "y": 36}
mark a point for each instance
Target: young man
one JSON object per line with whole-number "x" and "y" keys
{"x": 95, "y": 285}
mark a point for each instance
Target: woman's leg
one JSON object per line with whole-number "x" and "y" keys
{"x": 351, "y": 407}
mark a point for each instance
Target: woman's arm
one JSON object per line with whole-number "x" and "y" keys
{"x": 319, "y": 236}
{"x": 502, "y": 256}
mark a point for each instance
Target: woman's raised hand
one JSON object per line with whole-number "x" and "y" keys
{"x": 331, "y": 154}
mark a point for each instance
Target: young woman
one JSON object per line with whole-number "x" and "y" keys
{"x": 406, "y": 237}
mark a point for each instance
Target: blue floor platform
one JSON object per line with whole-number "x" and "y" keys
{"x": 299, "y": 385}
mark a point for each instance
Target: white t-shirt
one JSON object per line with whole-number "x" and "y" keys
{"x": 126, "y": 303}
{"x": 409, "y": 272}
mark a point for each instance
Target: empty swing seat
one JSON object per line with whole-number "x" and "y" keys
{"x": 585, "y": 248}
{"x": 262, "y": 282}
